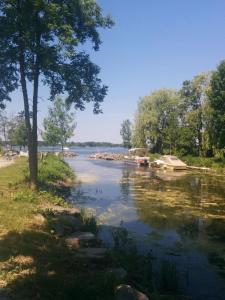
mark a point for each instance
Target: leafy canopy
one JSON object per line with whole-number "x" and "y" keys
{"x": 45, "y": 34}
{"x": 17, "y": 133}
{"x": 217, "y": 102}
{"x": 157, "y": 120}
{"x": 126, "y": 133}
{"x": 59, "y": 125}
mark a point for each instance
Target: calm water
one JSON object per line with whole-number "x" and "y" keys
{"x": 180, "y": 216}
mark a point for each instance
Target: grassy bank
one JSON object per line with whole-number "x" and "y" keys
{"x": 36, "y": 262}
{"x": 215, "y": 163}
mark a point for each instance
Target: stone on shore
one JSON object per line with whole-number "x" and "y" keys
{"x": 66, "y": 224}
{"x": 64, "y": 210}
{"x": 75, "y": 240}
{"x": 126, "y": 292}
{"x": 107, "y": 156}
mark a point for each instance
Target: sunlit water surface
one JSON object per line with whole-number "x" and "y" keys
{"x": 179, "y": 216}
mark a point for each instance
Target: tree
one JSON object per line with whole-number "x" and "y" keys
{"x": 126, "y": 133}
{"x": 39, "y": 42}
{"x": 194, "y": 101}
{"x": 217, "y": 102}
{"x": 4, "y": 127}
{"x": 157, "y": 120}
{"x": 17, "y": 131}
{"x": 59, "y": 125}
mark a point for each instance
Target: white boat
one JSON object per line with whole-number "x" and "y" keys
{"x": 66, "y": 149}
{"x": 140, "y": 161}
{"x": 169, "y": 162}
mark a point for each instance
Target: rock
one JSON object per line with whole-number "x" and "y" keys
{"x": 38, "y": 221}
{"x": 119, "y": 273}
{"x": 66, "y": 224}
{"x": 3, "y": 284}
{"x": 95, "y": 253}
{"x": 107, "y": 156}
{"x": 126, "y": 292}
{"x": 70, "y": 221}
{"x": 74, "y": 241}
{"x": 64, "y": 210}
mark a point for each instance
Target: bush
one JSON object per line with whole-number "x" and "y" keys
{"x": 209, "y": 162}
{"x": 26, "y": 196}
{"x": 53, "y": 169}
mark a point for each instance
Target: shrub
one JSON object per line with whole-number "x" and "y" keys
{"x": 26, "y": 196}
{"x": 53, "y": 169}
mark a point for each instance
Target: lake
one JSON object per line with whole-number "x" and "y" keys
{"x": 178, "y": 216}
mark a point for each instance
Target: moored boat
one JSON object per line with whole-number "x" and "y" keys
{"x": 140, "y": 161}
{"x": 169, "y": 162}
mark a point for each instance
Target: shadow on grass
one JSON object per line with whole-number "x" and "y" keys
{"x": 37, "y": 265}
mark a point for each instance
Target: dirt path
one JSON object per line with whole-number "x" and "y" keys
{"x": 5, "y": 163}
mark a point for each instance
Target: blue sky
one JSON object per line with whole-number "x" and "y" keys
{"x": 154, "y": 44}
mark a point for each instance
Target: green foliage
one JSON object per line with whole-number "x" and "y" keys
{"x": 126, "y": 133}
{"x": 25, "y": 196}
{"x": 88, "y": 221}
{"x": 157, "y": 120}
{"x": 217, "y": 101}
{"x": 17, "y": 133}
{"x": 40, "y": 42}
{"x": 4, "y": 127}
{"x": 209, "y": 162}
{"x": 44, "y": 35}
{"x": 195, "y": 115}
{"x": 59, "y": 125}
{"x": 53, "y": 169}
{"x": 186, "y": 122}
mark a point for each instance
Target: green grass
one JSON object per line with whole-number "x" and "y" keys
{"x": 34, "y": 261}
{"x": 216, "y": 163}
{"x": 53, "y": 170}
{"x": 13, "y": 214}
{"x": 18, "y": 203}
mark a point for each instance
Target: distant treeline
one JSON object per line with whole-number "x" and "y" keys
{"x": 84, "y": 144}
{"x": 93, "y": 144}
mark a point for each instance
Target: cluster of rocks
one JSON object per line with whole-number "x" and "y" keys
{"x": 66, "y": 223}
{"x": 107, "y": 156}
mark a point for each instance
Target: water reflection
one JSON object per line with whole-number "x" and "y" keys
{"x": 180, "y": 215}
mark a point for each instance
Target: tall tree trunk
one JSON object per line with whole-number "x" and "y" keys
{"x": 32, "y": 130}
{"x": 27, "y": 112}
{"x": 34, "y": 145}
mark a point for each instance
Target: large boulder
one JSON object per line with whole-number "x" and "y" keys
{"x": 76, "y": 239}
{"x": 126, "y": 292}
{"x": 64, "y": 210}
{"x": 65, "y": 224}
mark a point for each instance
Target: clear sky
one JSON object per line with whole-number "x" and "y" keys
{"x": 154, "y": 44}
